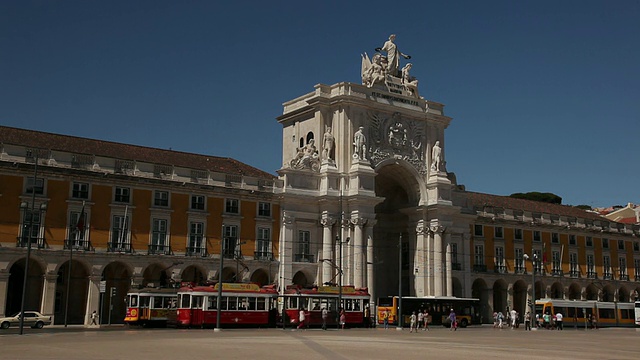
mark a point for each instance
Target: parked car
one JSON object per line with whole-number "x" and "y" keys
{"x": 31, "y": 318}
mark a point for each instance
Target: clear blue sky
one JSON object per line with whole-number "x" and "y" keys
{"x": 544, "y": 95}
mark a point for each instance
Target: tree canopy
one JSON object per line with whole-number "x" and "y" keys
{"x": 538, "y": 196}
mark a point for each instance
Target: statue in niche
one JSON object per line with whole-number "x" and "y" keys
{"x": 372, "y": 71}
{"x": 327, "y": 147}
{"x": 359, "y": 144}
{"x": 410, "y": 83}
{"x": 307, "y": 157}
{"x": 393, "y": 55}
{"x": 436, "y": 157}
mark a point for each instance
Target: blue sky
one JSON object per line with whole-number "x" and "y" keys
{"x": 544, "y": 95}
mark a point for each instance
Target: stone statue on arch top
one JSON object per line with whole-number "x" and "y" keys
{"x": 393, "y": 55}
{"x": 328, "y": 143}
{"x": 359, "y": 144}
{"x": 436, "y": 158}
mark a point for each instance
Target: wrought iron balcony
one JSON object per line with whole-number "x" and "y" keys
{"x": 607, "y": 276}
{"x": 556, "y": 272}
{"x": 574, "y": 273}
{"x": 519, "y": 270}
{"x": 303, "y": 258}
{"x": 501, "y": 269}
{"x": 232, "y": 254}
{"x": 196, "y": 251}
{"x": 119, "y": 247}
{"x": 23, "y": 241}
{"x": 592, "y": 275}
{"x": 480, "y": 268}
{"x": 263, "y": 255}
{"x": 83, "y": 245}
{"x": 159, "y": 249}
{"x": 624, "y": 277}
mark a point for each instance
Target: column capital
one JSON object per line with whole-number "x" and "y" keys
{"x": 439, "y": 229}
{"x": 360, "y": 222}
{"x": 328, "y": 221}
{"x": 288, "y": 219}
{"x": 421, "y": 229}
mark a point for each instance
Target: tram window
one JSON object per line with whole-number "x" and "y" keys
{"x": 197, "y": 302}
{"x": 261, "y": 304}
{"x": 315, "y": 302}
{"x": 134, "y": 300}
{"x": 348, "y": 305}
{"x": 185, "y": 301}
{"x": 571, "y": 312}
{"x": 232, "y": 303}
{"x": 243, "y": 303}
{"x": 292, "y": 303}
{"x": 365, "y": 302}
{"x": 252, "y": 303}
{"x": 606, "y": 314}
{"x": 212, "y": 302}
{"x": 625, "y": 314}
{"x": 166, "y": 302}
{"x": 333, "y": 304}
{"x": 356, "y": 305}
{"x": 144, "y": 301}
{"x": 157, "y": 302}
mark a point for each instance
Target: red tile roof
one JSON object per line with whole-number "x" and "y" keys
{"x": 506, "y": 202}
{"x": 629, "y": 220}
{"x": 78, "y": 145}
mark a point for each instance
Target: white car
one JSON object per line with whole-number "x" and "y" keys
{"x": 31, "y": 318}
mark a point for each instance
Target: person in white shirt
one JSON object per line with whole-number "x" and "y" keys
{"x": 559, "y": 321}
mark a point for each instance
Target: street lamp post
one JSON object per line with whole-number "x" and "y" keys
{"x": 400, "y": 282}
{"x": 220, "y": 281}
{"x": 533, "y": 319}
{"x": 24, "y": 206}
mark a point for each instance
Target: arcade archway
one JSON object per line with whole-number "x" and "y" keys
{"x": 118, "y": 281}
{"x": 76, "y": 289}
{"x": 35, "y": 282}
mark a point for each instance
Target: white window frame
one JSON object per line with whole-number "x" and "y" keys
{"x": 161, "y": 198}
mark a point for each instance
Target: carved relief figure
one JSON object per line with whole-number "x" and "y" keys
{"x": 436, "y": 157}
{"x": 327, "y": 147}
{"x": 393, "y": 55}
{"x": 359, "y": 144}
{"x": 307, "y": 157}
{"x": 410, "y": 82}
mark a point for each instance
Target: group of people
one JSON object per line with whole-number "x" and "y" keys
{"x": 419, "y": 321}
{"x": 511, "y": 319}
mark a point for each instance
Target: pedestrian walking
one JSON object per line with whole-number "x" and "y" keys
{"x": 94, "y": 318}
{"x": 385, "y": 319}
{"x": 426, "y": 320}
{"x": 325, "y": 315}
{"x": 420, "y": 320}
{"x": 559, "y": 318}
{"x": 527, "y": 321}
{"x": 454, "y": 322}
{"x": 413, "y": 321}
{"x": 343, "y": 318}
{"x": 301, "y": 319}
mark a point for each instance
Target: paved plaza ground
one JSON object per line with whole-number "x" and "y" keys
{"x": 439, "y": 343}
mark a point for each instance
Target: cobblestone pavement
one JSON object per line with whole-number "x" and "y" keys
{"x": 439, "y": 343}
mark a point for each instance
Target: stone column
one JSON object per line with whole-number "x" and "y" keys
{"x": 49, "y": 295}
{"x": 327, "y": 241}
{"x": 430, "y": 265}
{"x": 447, "y": 264}
{"x": 93, "y": 298}
{"x": 422, "y": 259}
{"x": 437, "y": 260}
{"x": 4, "y": 283}
{"x": 370, "y": 262}
{"x": 287, "y": 237}
{"x": 359, "y": 250}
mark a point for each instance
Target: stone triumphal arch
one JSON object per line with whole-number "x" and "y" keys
{"x": 366, "y": 191}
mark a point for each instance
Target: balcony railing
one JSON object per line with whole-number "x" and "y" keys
{"x": 232, "y": 254}
{"x": 556, "y": 272}
{"x": 519, "y": 270}
{"x": 196, "y": 251}
{"x": 592, "y": 275}
{"x": 84, "y": 245}
{"x": 574, "y": 273}
{"x": 480, "y": 268}
{"x": 607, "y": 276}
{"x": 159, "y": 249}
{"x": 303, "y": 258}
{"x": 119, "y": 247}
{"x": 501, "y": 269}
{"x": 263, "y": 255}
{"x": 23, "y": 241}
{"x": 456, "y": 266}
{"x": 624, "y": 277}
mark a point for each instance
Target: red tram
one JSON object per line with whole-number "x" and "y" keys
{"x": 241, "y": 305}
{"x": 151, "y": 306}
{"x": 313, "y": 300}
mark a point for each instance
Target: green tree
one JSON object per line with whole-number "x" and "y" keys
{"x": 538, "y": 196}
